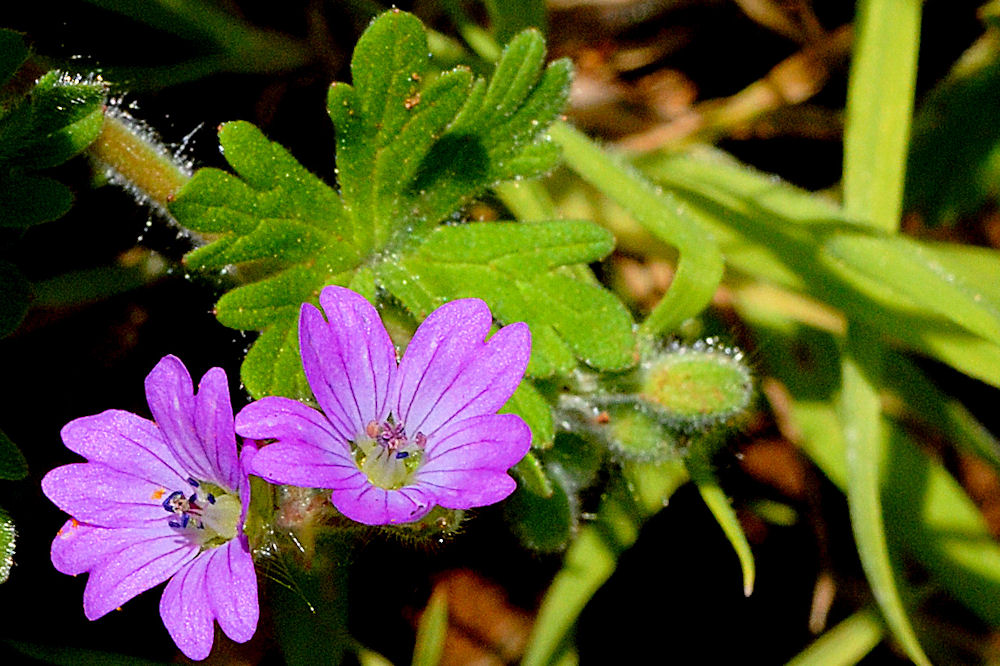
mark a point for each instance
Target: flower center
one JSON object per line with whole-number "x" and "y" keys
{"x": 204, "y": 512}
{"x": 387, "y": 455}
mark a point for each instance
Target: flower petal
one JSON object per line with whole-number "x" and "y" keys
{"x": 145, "y": 561}
{"x": 349, "y": 360}
{"x": 94, "y": 493}
{"x": 213, "y": 418}
{"x": 170, "y": 394}
{"x": 289, "y": 422}
{"x": 491, "y": 441}
{"x": 449, "y": 373}
{"x": 436, "y": 354}
{"x": 125, "y": 442}
{"x": 79, "y": 547}
{"x": 306, "y": 466}
{"x": 372, "y": 505}
{"x": 186, "y": 612}
{"x": 464, "y": 489}
{"x": 465, "y": 463}
{"x": 232, "y": 589}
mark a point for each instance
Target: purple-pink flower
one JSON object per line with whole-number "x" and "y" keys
{"x": 162, "y": 500}
{"x": 392, "y": 442}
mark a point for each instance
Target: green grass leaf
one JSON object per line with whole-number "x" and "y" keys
{"x": 927, "y": 514}
{"x": 879, "y": 109}
{"x": 777, "y": 233}
{"x": 699, "y": 467}
{"x": 59, "y": 655}
{"x": 859, "y": 410}
{"x": 700, "y": 266}
{"x": 900, "y": 270}
{"x": 845, "y": 644}
{"x": 514, "y": 268}
{"x": 432, "y": 630}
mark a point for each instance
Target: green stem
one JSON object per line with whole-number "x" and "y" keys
{"x": 142, "y": 163}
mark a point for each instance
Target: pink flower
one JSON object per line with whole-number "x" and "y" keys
{"x": 393, "y": 441}
{"x": 159, "y": 501}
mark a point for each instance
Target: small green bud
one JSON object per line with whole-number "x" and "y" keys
{"x": 638, "y": 434}
{"x": 696, "y": 388}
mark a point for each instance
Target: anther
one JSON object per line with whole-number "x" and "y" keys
{"x": 169, "y": 504}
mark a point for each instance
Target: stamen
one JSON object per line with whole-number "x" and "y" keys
{"x": 211, "y": 498}
{"x": 172, "y": 506}
{"x": 402, "y": 454}
{"x": 192, "y": 482}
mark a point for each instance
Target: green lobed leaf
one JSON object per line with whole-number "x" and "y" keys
{"x": 13, "y": 53}
{"x": 411, "y": 153}
{"x": 61, "y": 117}
{"x": 412, "y": 148}
{"x": 514, "y": 268}
{"x": 535, "y": 410}
{"x": 14, "y": 294}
